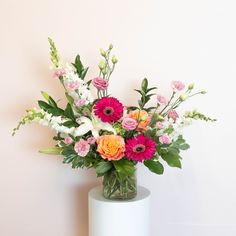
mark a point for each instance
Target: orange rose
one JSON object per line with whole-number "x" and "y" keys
{"x": 142, "y": 118}
{"x": 111, "y": 147}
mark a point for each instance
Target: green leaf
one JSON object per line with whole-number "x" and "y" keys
{"x": 78, "y": 162}
{"x": 45, "y": 95}
{"x": 154, "y": 166}
{"x": 52, "y": 102}
{"x": 51, "y": 150}
{"x": 78, "y": 64}
{"x": 172, "y": 159}
{"x": 70, "y": 124}
{"x": 103, "y": 167}
{"x": 184, "y": 146}
{"x": 69, "y": 158}
{"x": 44, "y": 105}
{"x": 124, "y": 167}
{"x": 144, "y": 85}
{"x": 150, "y": 89}
{"x": 69, "y": 112}
{"x": 55, "y": 111}
{"x": 83, "y": 73}
{"x": 69, "y": 98}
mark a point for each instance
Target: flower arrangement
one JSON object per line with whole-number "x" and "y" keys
{"x": 100, "y": 132}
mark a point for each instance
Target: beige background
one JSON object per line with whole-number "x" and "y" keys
{"x": 164, "y": 40}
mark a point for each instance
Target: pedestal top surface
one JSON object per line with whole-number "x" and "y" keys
{"x": 96, "y": 194}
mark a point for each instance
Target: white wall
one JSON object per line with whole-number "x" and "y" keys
{"x": 162, "y": 39}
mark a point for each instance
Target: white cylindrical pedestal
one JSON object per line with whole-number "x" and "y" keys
{"x": 119, "y": 218}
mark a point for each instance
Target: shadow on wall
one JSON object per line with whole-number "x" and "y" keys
{"x": 80, "y": 200}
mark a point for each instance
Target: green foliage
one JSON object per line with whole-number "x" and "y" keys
{"x": 102, "y": 167}
{"x": 54, "y": 54}
{"x": 154, "y": 166}
{"x": 50, "y": 108}
{"x": 49, "y": 99}
{"x": 180, "y": 143}
{"x": 81, "y": 71}
{"x": 118, "y": 128}
{"x": 51, "y": 150}
{"x": 69, "y": 112}
{"x": 124, "y": 167}
{"x": 145, "y": 95}
{"x": 69, "y": 99}
{"x": 171, "y": 156}
{"x": 31, "y": 115}
{"x": 197, "y": 116}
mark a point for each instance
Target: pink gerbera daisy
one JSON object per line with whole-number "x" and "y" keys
{"x": 108, "y": 109}
{"x": 140, "y": 148}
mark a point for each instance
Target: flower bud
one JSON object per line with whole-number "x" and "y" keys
{"x": 191, "y": 86}
{"x": 102, "y": 52}
{"x": 183, "y": 97}
{"x": 110, "y": 46}
{"x": 203, "y": 92}
{"x": 160, "y": 118}
{"x": 101, "y": 65}
{"x": 104, "y": 71}
{"x": 114, "y": 60}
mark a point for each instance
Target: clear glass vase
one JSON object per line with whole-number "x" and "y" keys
{"x": 117, "y": 187}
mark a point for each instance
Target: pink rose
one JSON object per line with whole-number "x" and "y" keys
{"x": 173, "y": 114}
{"x": 82, "y": 147}
{"x": 165, "y": 139}
{"x": 80, "y": 102}
{"x": 177, "y": 86}
{"x": 129, "y": 123}
{"x": 91, "y": 140}
{"x": 73, "y": 85}
{"x": 161, "y": 100}
{"x": 68, "y": 140}
{"x": 159, "y": 125}
{"x": 100, "y": 83}
{"x": 58, "y": 73}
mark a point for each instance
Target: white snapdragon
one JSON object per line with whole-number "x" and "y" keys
{"x": 79, "y": 92}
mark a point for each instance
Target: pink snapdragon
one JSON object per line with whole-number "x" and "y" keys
{"x": 82, "y": 147}
{"x": 80, "y": 102}
{"x": 173, "y": 115}
{"x": 165, "y": 139}
{"x": 129, "y": 123}
{"x": 159, "y": 125}
{"x": 73, "y": 85}
{"x": 58, "y": 73}
{"x": 100, "y": 83}
{"x": 177, "y": 86}
{"x": 91, "y": 140}
{"x": 68, "y": 140}
{"x": 161, "y": 100}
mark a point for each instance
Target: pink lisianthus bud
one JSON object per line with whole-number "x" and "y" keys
{"x": 72, "y": 85}
{"x": 100, "y": 83}
{"x": 159, "y": 125}
{"x": 165, "y": 139}
{"x": 58, "y": 73}
{"x": 161, "y": 100}
{"x": 173, "y": 115}
{"x": 177, "y": 86}
{"x": 80, "y": 102}
{"x": 68, "y": 140}
{"x": 129, "y": 123}
{"x": 82, "y": 147}
{"x": 91, "y": 140}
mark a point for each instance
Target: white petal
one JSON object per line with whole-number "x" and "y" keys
{"x": 83, "y": 129}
